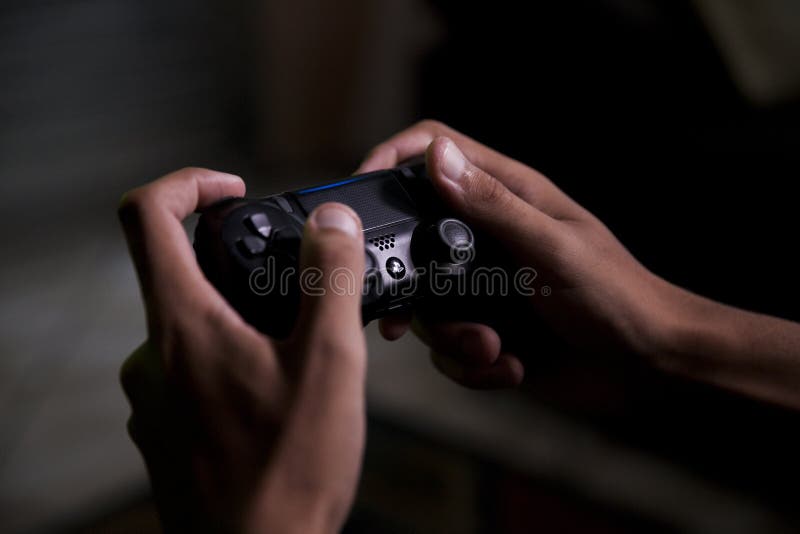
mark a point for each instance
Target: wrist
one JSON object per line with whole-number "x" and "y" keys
{"x": 680, "y": 332}
{"x": 659, "y": 317}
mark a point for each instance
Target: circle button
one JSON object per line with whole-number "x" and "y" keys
{"x": 395, "y": 268}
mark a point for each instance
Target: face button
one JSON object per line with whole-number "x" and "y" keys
{"x": 395, "y": 268}
{"x": 259, "y": 223}
{"x": 251, "y": 245}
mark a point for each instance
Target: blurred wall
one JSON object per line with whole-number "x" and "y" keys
{"x": 97, "y": 97}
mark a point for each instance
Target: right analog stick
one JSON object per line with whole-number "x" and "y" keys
{"x": 448, "y": 241}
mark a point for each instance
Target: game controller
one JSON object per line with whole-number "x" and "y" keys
{"x": 249, "y": 248}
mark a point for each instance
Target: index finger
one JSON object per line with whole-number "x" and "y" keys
{"x": 151, "y": 216}
{"x": 523, "y": 181}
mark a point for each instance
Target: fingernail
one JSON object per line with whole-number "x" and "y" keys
{"x": 332, "y": 217}
{"x": 225, "y": 177}
{"x": 453, "y": 163}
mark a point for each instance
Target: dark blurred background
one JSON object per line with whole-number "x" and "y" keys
{"x": 675, "y": 121}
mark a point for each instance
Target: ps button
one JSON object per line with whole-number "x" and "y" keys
{"x": 252, "y": 245}
{"x": 259, "y": 223}
{"x": 395, "y": 268}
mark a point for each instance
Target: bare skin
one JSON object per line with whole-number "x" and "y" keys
{"x": 243, "y": 433}
{"x": 239, "y": 432}
{"x": 601, "y": 295}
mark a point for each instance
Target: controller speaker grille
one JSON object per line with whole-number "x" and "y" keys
{"x": 382, "y": 242}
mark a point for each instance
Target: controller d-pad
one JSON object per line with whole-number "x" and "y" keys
{"x": 252, "y": 245}
{"x": 259, "y": 223}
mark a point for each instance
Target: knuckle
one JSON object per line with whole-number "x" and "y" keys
{"x": 377, "y": 149}
{"x": 215, "y": 321}
{"x": 564, "y": 249}
{"x": 180, "y": 335}
{"x": 336, "y": 251}
{"x": 173, "y": 348}
{"x": 136, "y": 202}
{"x": 171, "y": 340}
{"x": 188, "y": 174}
{"x": 433, "y": 126}
{"x": 189, "y": 170}
{"x": 483, "y": 189}
{"x": 133, "y": 371}
{"x": 132, "y": 205}
{"x": 183, "y": 337}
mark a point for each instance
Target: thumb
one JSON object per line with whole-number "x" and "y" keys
{"x": 326, "y": 430}
{"x": 320, "y": 449}
{"x": 331, "y": 276}
{"x": 485, "y": 201}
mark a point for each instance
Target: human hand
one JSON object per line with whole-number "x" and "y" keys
{"x": 600, "y": 296}
{"x": 240, "y": 432}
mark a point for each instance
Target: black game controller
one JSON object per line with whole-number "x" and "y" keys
{"x": 249, "y": 248}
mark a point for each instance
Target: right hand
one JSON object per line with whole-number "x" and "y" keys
{"x": 600, "y": 294}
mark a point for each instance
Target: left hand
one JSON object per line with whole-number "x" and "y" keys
{"x": 240, "y": 432}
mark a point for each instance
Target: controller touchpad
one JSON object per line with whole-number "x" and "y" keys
{"x": 379, "y": 201}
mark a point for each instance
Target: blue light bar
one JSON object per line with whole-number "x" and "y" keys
{"x": 329, "y": 186}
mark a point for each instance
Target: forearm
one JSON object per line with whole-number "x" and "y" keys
{"x": 735, "y": 349}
